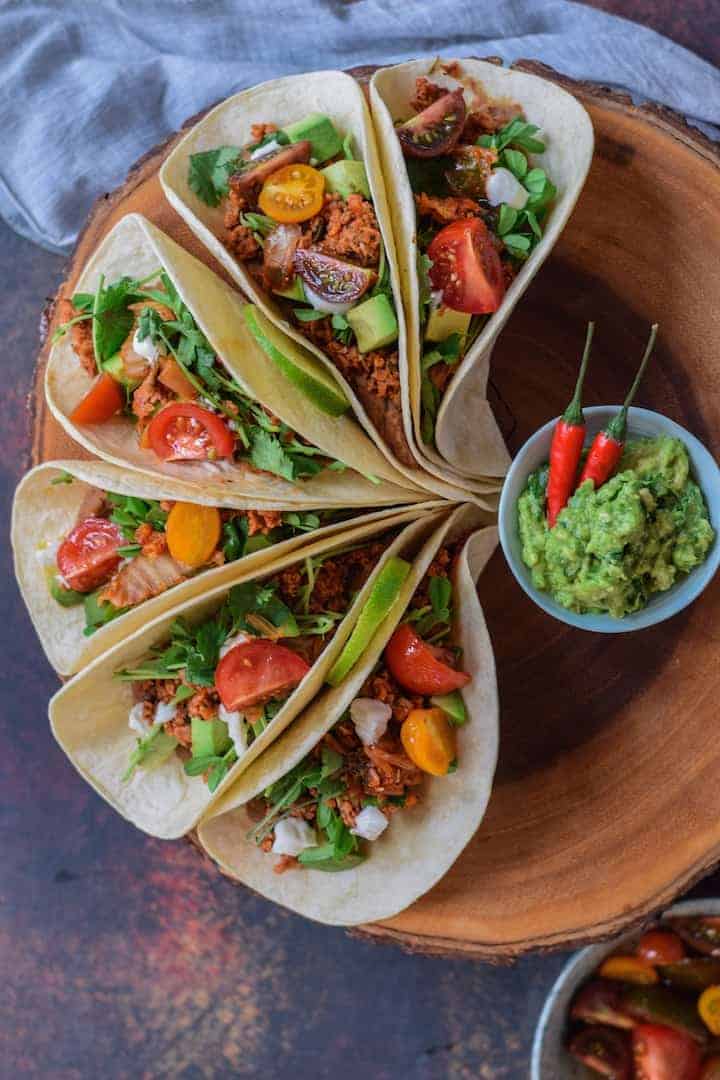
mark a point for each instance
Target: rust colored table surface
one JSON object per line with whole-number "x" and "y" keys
{"x": 121, "y": 956}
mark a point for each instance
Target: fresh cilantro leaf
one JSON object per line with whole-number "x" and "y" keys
{"x": 424, "y": 263}
{"x": 267, "y": 453}
{"x": 209, "y": 172}
{"x": 305, "y": 314}
{"x": 506, "y": 219}
{"x": 342, "y": 329}
{"x": 517, "y": 244}
{"x": 130, "y": 512}
{"x": 440, "y": 592}
{"x": 182, "y": 693}
{"x": 62, "y": 478}
{"x": 112, "y": 318}
{"x": 515, "y": 161}
{"x": 518, "y": 134}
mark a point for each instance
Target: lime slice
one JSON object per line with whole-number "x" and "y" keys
{"x": 453, "y": 705}
{"x": 383, "y": 595}
{"x": 298, "y": 366}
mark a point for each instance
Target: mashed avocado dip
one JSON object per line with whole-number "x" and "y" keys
{"x": 612, "y": 548}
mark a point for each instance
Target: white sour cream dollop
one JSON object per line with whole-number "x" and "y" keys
{"x": 293, "y": 835}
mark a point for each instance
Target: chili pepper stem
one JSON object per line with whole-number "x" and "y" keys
{"x": 617, "y": 427}
{"x": 573, "y": 414}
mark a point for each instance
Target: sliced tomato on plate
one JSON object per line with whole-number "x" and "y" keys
{"x": 417, "y": 666}
{"x": 661, "y": 1053}
{"x": 88, "y": 557}
{"x": 257, "y": 671}
{"x": 104, "y": 398}
{"x": 466, "y": 267}
{"x": 186, "y": 432}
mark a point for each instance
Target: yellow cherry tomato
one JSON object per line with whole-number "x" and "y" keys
{"x": 429, "y": 740}
{"x": 193, "y": 532}
{"x": 709, "y": 1009}
{"x": 632, "y": 969}
{"x": 293, "y": 193}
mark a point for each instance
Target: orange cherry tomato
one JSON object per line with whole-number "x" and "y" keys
{"x": 104, "y": 398}
{"x": 88, "y": 557}
{"x": 632, "y": 969}
{"x": 429, "y": 740}
{"x": 709, "y": 1009}
{"x": 184, "y": 431}
{"x": 660, "y": 947}
{"x": 257, "y": 671}
{"x": 416, "y": 666}
{"x": 293, "y": 193}
{"x": 193, "y": 533}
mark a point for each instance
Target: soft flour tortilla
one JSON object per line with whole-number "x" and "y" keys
{"x": 136, "y": 247}
{"x": 466, "y": 435}
{"x": 282, "y": 102}
{"x": 421, "y": 843}
{"x": 89, "y": 716}
{"x": 43, "y": 513}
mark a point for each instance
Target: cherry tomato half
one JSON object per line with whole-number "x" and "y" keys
{"x": 660, "y": 947}
{"x": 293, "y": 193}
{"x": 103, "y": 400}
{"x": 661, "y": 1053}
{"x": 632, "y": 969}
{"x": 332, "y": 279}
{"x": 436, "y": 129}
{"x": 466, "y": 267}
{"x": 88, "y": 557}
{"x": 193, "y": 532}
{"x": 183, "y": 432}
{"x": 429, "y": 740}
{"x": 416, "y": 666}
{"x": 256, "y": 671}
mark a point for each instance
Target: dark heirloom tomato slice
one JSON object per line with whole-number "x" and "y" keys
{"x": 466, "y": 267}
{"x": 257, "y": 171}
{"x": 256, "y": 671}
{"x": 660, "y": 947}
{"x": 416, "y": 666}
{"x": 436, "y": 129}
{"x": 183, "y": 431}
{"x": 701, "y": 932}
{"x": 332, "y": 279}
{"x": 598, "y": 1002}
{"x": 604, "y": 1050}
{"x": 711, "y": 1069}
{"x": 468, "y": 169}
{"x": 88, "y": 557}
{"x": 660, "y": 1053}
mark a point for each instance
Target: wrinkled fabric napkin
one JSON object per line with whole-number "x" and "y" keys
{"x": 87, "y": 86}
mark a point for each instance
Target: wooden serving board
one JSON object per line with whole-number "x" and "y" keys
{"x": 607, "y": 796}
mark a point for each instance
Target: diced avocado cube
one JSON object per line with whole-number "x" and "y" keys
{"x": 320, "y": 132}
{"x": 453, "y": 705}
{"x": 294, "y": 291}
{"x": 346, "y": 178}
{"x": 373, "y": 322}
{"x": 115, "y": 367}
{"x": 65, "y": 597}
{"x": 209, "y": 737}
{"x": 444, "y": 321}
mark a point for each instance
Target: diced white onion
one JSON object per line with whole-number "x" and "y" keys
{"x": 136, "y": 720}
{"x": 231, "y": 642}
{"x": 164, "y": 712}
{"x": 147, "y": 348}
{"x": 293, "y": 835}
{"x": 370, "y": 718}
{"x": 263, "y": 151}
{"x": 502, "y": 187}
{"x": 237, "y": 727}
{"x": 370, "y": 823}
{"x": 330, "y": 307}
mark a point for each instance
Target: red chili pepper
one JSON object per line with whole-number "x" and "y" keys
{"x": 567, "y": 443}
{"x": 608, "y": 445}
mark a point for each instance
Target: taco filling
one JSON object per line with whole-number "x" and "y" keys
{"x": 124, "y": 550}
{"x": 481, "y": 207}
{"x": 215, "y": 687}
{"x": 398, "y": 731}
{"x": 152, "y": 363}
{"x": 298, "y": 214}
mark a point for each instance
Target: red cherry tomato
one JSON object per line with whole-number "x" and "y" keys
{"x": 88, "y": 557}
{"x": 184, "y": 431}
{"x": 104, "y": 398}
{"x": 661, "y": 1053}
{"x": 416, "y": 666}
{"x": 256, "y": 671}
{"x": 660, "y": 947}
{"x": 466, "y": 267}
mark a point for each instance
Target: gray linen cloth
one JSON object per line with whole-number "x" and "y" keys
{"x": 86, "y": 86}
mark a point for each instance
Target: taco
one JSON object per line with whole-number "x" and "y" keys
{"x": 154, "y": 368}
{"x": 282, "y": 184}
{"x": 100, "y": 552}
{"x": 382, "y": 780}
{"x": 484, "y": 166}
{"x": 165, "y": 720}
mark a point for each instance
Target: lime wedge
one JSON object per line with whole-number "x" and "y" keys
{"x": 299, "y": 367}
{"x": 382, "y": 596}
{"x": 453, "y": 705}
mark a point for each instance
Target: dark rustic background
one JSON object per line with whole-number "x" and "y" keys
{"x": 123, "y": 956}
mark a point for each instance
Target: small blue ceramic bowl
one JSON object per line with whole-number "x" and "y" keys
{"x": 641, "y": 423}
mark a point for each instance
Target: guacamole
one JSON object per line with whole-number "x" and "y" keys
{"x": 611, "y": 549}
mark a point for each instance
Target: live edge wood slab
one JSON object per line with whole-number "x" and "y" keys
{"x": 607, "y": 797}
